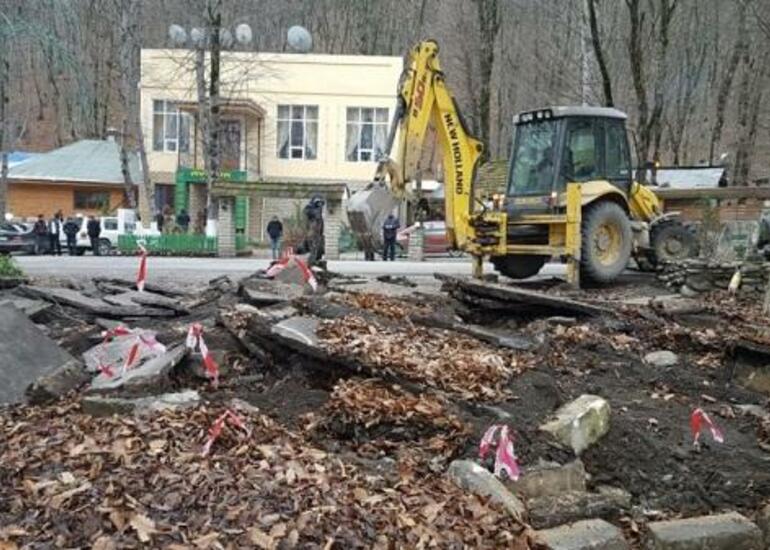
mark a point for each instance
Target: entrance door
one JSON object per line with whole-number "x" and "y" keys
{"x": 230, "y": 145}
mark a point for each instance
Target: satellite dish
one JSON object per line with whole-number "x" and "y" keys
{"x": 243, "y": 34}
{"x": 299, "y": 39}
{"x": 177, "y": 35}
{"x": 226, "y": 39}
{"x": 198, "y": 37}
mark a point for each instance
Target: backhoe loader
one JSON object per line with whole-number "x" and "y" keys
{"x": 570, "y": 191}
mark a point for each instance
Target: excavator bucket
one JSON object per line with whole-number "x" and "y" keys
{"x": 367, "y": 210}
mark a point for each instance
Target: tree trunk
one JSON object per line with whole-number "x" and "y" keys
{"x": 4, "y": 72}
{"x": 636, "y": 58}
{"x": 215, "y": 24}
{"x": 489, "y": 25}
{"x": 727, "y": 82}
{"x": 599, "y": 54}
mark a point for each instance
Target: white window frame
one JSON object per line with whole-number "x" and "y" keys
{"x": 379, "y": 121}
{"x": 306, "y": 121}
{"x": 171, "y": 140}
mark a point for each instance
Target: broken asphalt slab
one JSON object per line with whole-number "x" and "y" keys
{"x": 27, "y": 355}
{"x": 150, "y": 373}
{"x": 94, "y": 306}
{"x": 97, "y": 405}
{"x": 468, "y": 475}
{"x": 31, "y": 308}
{"x": 151, "y": 299}
{"x": 472, "y": 290}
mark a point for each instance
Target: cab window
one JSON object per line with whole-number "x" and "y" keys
{"x": 617, "y": 160}
{"x": 581, "y": 152}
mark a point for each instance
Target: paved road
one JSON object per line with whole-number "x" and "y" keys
{"x": 197, "y": 270}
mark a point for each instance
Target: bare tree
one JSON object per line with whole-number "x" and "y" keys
{"x": 599, "y": 53}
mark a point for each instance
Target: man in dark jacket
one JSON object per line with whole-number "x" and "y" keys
{"x": 183, "y": 220}
{"x": 54, "y": 234}
{"x": 389, "y": 232}
{"x": 275, "y": 232}
{"x": 71, "y": 229}
{"x": 159, "y": 219}
{"x": 94, "y": 229}
{"x": 41, "y": 235}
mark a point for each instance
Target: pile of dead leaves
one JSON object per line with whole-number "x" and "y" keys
{"x": 441, "y": 359}
{"x": 378, "y": 417}
{"x": 69, "y": 480}
{"x": 379, "y": 304}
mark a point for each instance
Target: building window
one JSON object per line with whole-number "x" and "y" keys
{"x": 92, "y": 200}
{"x": 170, "y": 127}
{"x": 297, "y": 132}
{"x": 367, "y": 132}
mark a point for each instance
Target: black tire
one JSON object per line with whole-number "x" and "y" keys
{"x": 518, "y": 266}
{"x": 671, "y": 241}
{"x": 105, "y": 247}
{"x": 606, "y": 242}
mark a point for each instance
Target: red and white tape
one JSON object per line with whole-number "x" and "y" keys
{"x": 281, "y": 264}
{"x": 133, "y": 353}
{"x": 216, "y": 429}
{"x": 141, "y": 275}
{"x": 195, "y": 342}
{"x": 698, "y": 419}
{"x": 505, "y": 455}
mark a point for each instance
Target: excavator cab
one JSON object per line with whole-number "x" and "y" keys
{"x": 556, "y": 146}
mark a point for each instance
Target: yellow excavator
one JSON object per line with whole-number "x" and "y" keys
{"x": 570, "y": 191}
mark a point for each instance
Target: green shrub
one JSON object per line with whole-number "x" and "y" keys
{"x": 9, "y": 268}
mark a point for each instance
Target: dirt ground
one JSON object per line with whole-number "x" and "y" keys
{"x": 396, "y": 393}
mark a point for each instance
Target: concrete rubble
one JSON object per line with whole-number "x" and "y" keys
{"x": 472, "y": 477}
{"x": 580, "y": 423}
{"x": 661, "y": 358}
{"x": 98, "y": 405}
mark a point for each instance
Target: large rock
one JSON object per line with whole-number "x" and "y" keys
{"x": 580, "y": 423}
{"x": 27, "y": 355}
{"x": 153, "y": 372}
{"x": 470, "y": 476}
{"x": 115, "y": 351}
{"x": 52, "y": 386}
{"x": 730, "y": 531}
{"x": 661, "y": 358}
{"x": 552, "y": 510}
{"x": 592, "y": 534}
{"x": 550, "y": 479}
{"x": 98, "y": 405}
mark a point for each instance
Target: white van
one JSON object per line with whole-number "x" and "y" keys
{"x": 124, "y": 223}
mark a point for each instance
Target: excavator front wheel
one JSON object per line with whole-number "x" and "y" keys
{"x": 606, "y": 242}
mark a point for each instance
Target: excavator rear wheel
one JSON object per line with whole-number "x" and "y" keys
{"x": 519, "y": 266}
{"x": 671, "y": 241}
{"x": 606, "y": 242}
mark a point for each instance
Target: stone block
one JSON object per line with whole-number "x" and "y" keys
{"x": 730, "y": 531}
{"x": 552, "y": 510}
{"x": 661, "y": 358}
{"x": 592, "y": 534}
{"x": 468, "y": 475}
{"x": 96, "y": 405}
{"x": 580, "y": 423}
{"x": 550, "y": 479}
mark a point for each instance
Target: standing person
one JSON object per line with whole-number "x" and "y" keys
{"x": 168, "y": 219}
{"x": 159, "y": 221}
{"x": 71, "y": 229}
{"x": 94, "y": 229}
{"x": 183, "y": 220}
{"x": 389, "y": 232}
{"x": 54, "y": 234}
{"x": 275, "y": 232}
{"x": 41, "y": 234}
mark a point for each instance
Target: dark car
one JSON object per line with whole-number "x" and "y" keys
{"x": 16, "y": 238}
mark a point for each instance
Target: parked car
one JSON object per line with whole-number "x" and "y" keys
{"x": 16, "y": 237}
{"x": 435, "y": 239}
